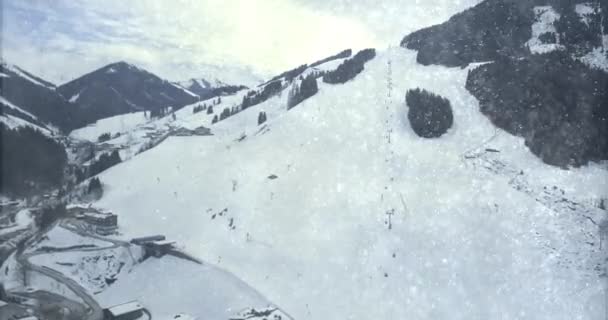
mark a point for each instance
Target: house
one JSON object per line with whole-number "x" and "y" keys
{"x": 127, "y": 311}
{"x": 104, "y": 223}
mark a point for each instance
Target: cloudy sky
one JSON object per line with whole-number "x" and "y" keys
{"x": 179, "y": 39}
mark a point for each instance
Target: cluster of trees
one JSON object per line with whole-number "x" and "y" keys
{"x": 350, "y": 68}
{"x": 199, "y": 108}
{"x": 261, "y": 117}
{"x": 104, "y": 137}
{"x": 29, "y": 160}
{"x": 104, "y": 162}
{"x": 290, "y": 74}
{"x": 95, "y": 187}
{"x": 343, "y": 54}
{"x": 430, "y": 115}
{"x": 48, "y": 215}
{"x": 256, "y": 97}
{"x": 160, "y": 112}
{"x": 302, "y": 91}
{"x": 558, "y": 104}
{"x": 224, "y": 90}
{"x": 225, "y": 113}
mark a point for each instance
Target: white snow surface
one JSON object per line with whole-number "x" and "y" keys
{"x": 473, "y": 235}
{"x": 584, "y": 10}
{"x": 116, "y": 124}
{"x": 183, "y": 288}
{"x": 546, "y": 16}
{"x": 75, "y": 97}
{"x": 59, "y": 237}
{"x": 597, "y": 58}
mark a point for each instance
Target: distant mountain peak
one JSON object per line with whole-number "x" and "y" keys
{"x": 122, "y": 87}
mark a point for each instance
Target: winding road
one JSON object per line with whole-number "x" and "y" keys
{"x": 94, "y": 310}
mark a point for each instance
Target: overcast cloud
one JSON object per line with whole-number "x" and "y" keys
{"x": 178, "y": 39}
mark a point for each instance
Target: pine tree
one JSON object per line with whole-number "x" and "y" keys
{"x": 225, "y": 114}
{"x": 214, "y": 119}
{"x": 94, "y": 186}
{"x": 261, "y": 117}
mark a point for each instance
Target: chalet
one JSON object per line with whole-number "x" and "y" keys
{"x": 127, "y": 311}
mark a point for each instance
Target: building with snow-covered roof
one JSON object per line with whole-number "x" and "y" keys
{"x": 127, "y": 311}
{"x": 104, "y": 223}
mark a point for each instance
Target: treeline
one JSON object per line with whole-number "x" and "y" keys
{"x": 29, "y": 161}
{"x": 256, "y": 97}
{"x": 344, "y": 54}
{"x": 222, "y": 91}
{"x": 350, "y": 68}
{"x": 104, "y": 162}
{"x": 302, "y": 91}
{"x": 557, "y": 104}
{"x": 199, "y": 108}
{"x": 290, "y": 74}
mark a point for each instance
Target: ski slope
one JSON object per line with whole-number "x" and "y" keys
{"x": 471, "y": 235}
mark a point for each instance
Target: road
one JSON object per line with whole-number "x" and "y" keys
{"x": 94, "y": 310}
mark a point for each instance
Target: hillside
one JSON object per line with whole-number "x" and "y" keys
{"x": 320, "y": 210}
{"x": 34, "y": 101}
{"x": 547, "y": 77}
{"x": 121, "y": 88}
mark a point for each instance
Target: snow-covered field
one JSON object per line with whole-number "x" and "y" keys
{"x": 466, "y": 240}
{"x": 170, "y": 286}
{"x": 116, "y": 124}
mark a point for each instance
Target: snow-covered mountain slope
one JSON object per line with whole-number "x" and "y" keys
{"x": 121, "y": 88}
{"x": 548, "y": 79}
{"x": 325, "y": 215}
{"x": 34, "y": 101}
